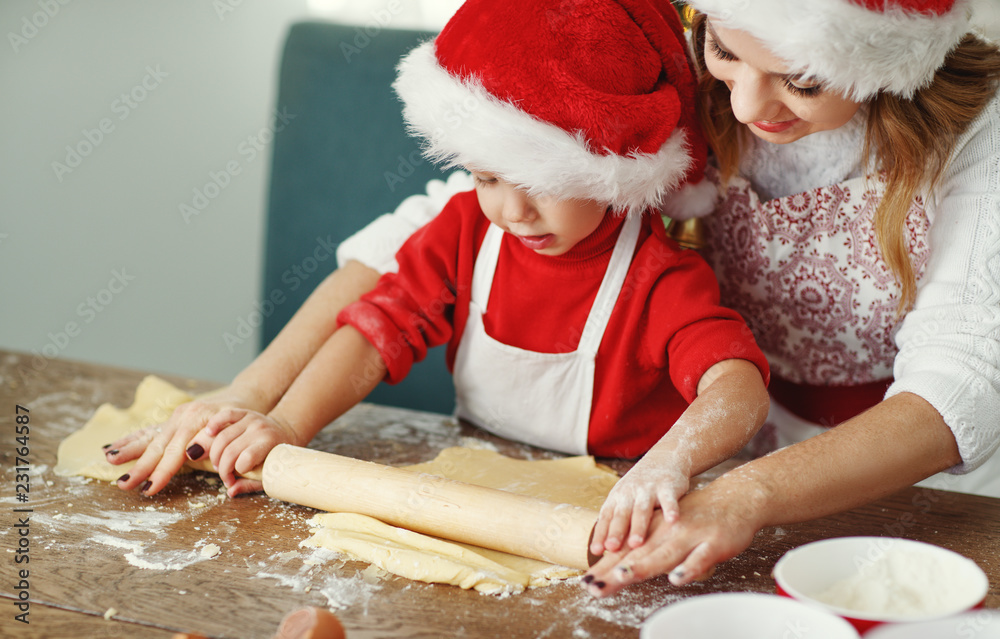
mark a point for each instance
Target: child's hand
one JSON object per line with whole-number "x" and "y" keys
{"x": 714, "y": 524}
{"x": 241, "y": 441}
{"x": 162, "y": 449}
{"x": 631, "y": 505}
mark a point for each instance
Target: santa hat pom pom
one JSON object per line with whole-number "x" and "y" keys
{"x": 691, "y": 200}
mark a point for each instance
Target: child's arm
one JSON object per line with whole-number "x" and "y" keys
{"x": 340, "y": 375}
{"x": 161, "y": 450}
{"x": 731, "y": 406}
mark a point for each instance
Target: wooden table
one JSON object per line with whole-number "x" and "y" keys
{"x": 106, "y": 563}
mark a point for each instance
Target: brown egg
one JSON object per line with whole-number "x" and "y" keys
{"x": 310, "y": 623}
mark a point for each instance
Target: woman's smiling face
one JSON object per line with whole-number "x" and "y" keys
{"x": 776, "y": 105}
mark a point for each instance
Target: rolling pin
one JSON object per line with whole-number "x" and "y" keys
{"x": 486, "y": 517}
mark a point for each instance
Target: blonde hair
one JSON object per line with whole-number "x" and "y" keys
{"x": 910, "y": 141}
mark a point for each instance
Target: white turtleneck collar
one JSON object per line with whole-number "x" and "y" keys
{"x": 817, "y": 160}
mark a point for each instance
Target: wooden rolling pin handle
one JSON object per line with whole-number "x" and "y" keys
{"x": 591, "y": 557}
{"x": 516, "y": 524}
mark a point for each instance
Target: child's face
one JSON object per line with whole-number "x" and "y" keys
{"x": 775, "y": 105}
{"x": 546, "y": 225}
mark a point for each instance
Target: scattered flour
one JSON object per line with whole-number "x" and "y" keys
{"x": 340, "y": 592}
{"x": 118, "y": 521}
{"x": 209, "y": 551}
{"x": 628, "y": 608}
{"x": 141, "y": 557}
{"x": 901, "y": 582}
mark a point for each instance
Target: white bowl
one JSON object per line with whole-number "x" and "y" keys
{"x": 744, "y": 615}
{"x": 979, "y": 624}
{"x": 938, "y": 581}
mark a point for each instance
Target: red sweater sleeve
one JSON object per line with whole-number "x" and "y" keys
{"x": 412, "y": 310}
{"x": 692, "y": 331}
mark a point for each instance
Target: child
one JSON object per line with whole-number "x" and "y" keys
{"x": 572, "y": 321}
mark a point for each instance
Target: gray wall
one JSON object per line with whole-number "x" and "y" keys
{"x": 97, "y": 261}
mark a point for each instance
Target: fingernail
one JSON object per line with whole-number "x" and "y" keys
{"x": 112, "y": 452}
{"x": 587, "y": 579}
{"x": 195, "y": 451}
{"x": 624, "y": 569}
{"x": 145, "y": 486}
{"x": 106, "y": 446}
{"x": 123, "y": 477}
{"x": 599, "y": 585}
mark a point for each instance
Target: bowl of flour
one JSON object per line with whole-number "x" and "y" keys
{"x": 875, "y": 580}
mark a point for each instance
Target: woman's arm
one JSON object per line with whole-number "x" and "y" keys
{"x": 891, "y": 446}
{"x": 949, "y": 344}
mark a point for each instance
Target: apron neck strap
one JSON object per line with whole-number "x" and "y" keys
{"x": 607, "y": 294}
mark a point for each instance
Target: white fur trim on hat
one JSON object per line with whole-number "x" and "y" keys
{"x": 846, "y": 46}
{"x": 986, "y": 19}
{"x": 462, "y": 124}
{"x": 692, "y": 200}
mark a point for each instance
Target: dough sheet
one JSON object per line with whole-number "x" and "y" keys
{"x": 81, "y": 453}
{"x": 573, "y": 480}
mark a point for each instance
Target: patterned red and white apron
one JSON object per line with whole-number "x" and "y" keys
{"x": 806, "y": 273}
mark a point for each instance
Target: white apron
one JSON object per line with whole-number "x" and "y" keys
{"x": 542, "y": 399}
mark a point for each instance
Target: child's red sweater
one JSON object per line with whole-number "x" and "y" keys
{"x": 666, "y": 330}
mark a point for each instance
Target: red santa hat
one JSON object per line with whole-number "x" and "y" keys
{"x": 858, "y": 47}
{"x": 584, "y": 99}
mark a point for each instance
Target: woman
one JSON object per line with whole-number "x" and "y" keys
{"x": 797, "y": 123}
{"x": 859, "y": 152}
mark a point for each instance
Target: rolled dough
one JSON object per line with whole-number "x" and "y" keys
{"x": 572, "y": 480}
{"x": 81, "y": 453}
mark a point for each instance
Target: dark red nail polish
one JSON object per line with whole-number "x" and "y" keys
{"x": 195, "y": 451}
{"x": 106, "y": 446}
{"x": 588, "y": 578}
{"x": 123, "y": 477}
{"x": 112, "y": 452}
{"x": 145, "y": 486}
{"x": 600, "y": 585}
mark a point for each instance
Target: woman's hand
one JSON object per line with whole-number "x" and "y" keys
{"x": 631, "y": 506}
{"x": 713, "y": 524}
{"x": 162, "y": 449}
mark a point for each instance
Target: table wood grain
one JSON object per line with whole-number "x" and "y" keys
{"x": 95, "y": 550}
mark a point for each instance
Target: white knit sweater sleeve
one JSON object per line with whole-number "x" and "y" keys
{"x": 375, "y": 245}
{"x": 949, "y": 344}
